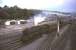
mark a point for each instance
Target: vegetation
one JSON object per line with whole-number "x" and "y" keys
{"x": 16, "y": 13}
{"x": 9, "y": 13}
{"x": 31, "y": 34}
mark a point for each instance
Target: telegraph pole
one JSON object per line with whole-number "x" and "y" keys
{"x": 58, "y": 28}
{"x": 58, "y": 25}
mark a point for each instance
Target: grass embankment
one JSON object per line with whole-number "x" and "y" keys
{"x": 31, "y": 34}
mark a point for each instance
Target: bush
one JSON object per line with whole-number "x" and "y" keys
{"x": 35, "y": 32}
{"x": 31, "y": 34}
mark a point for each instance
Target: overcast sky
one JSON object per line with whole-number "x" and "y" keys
{"x": 52, "y": 5}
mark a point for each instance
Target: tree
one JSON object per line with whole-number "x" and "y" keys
{"x": 3, "y": 14}
{"x": 5, "y": 7}
{"x": 17, "y": 13}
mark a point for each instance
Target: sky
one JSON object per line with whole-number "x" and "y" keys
{"x": 52, "y": 5}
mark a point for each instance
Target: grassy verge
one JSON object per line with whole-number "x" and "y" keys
{"x": 31, "y": 34}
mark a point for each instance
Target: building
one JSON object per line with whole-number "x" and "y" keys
{"x": 26, "y": 23}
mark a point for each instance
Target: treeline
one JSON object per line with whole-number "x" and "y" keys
{"x": 16, "y": 13}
